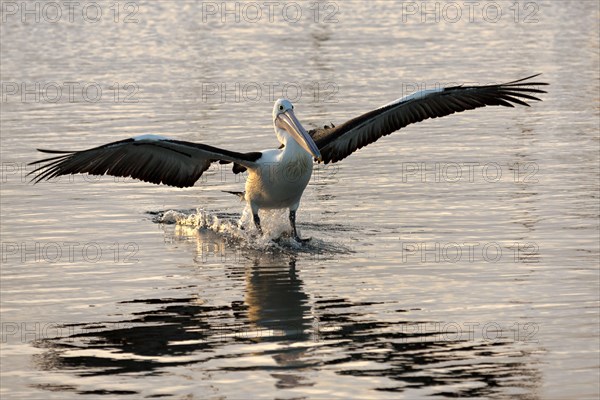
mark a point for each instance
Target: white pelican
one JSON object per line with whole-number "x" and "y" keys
{"x": 277, "y": 177}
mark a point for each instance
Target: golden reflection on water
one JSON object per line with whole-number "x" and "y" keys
{"x": 215, "y": 320}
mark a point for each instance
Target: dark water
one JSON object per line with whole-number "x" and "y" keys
{"x": 458, "y": 257}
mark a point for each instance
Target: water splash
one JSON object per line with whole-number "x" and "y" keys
{"x": 239, "y": 230}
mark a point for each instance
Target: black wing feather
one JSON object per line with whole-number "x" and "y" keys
{"x": 337, "y": 143}
{"x": 165, "y": 161}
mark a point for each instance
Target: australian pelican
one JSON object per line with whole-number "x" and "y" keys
{"x": 277, "y": 177}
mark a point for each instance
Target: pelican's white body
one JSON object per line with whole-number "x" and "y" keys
{"x": 280, "y": 178}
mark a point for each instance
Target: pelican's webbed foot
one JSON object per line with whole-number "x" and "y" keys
{"x": 294, "y": 231}
{"x": 257, "y": 223}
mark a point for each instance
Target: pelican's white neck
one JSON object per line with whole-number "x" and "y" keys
{"x": 283, "y": 136}
{"x": 291, "y": 146}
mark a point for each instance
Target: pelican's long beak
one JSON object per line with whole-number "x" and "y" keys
{"x": 290, "y": 123}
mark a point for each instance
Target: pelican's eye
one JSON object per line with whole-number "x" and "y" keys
{"x": 281, "y": 108}
{"x": 292, "y": 107}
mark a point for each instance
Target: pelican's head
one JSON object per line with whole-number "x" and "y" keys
{"x": 284, "y": 119}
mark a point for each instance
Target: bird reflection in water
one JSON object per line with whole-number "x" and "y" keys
{"x": 301, "y": 333}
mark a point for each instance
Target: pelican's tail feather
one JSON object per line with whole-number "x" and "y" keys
{"x": 241, "y": 195}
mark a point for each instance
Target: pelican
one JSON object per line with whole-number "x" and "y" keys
{"x": 277, "y": 177}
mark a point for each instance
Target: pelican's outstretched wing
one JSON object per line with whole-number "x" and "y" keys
{"x": 149, "y": 158}
{"x": 337, "y": 143}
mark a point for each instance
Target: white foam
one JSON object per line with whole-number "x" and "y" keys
{"x": 273, "y": 223}
{"x": 239, "y": 232}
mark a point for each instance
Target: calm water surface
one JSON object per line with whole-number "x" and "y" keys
{"x": 458, "y": 257}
